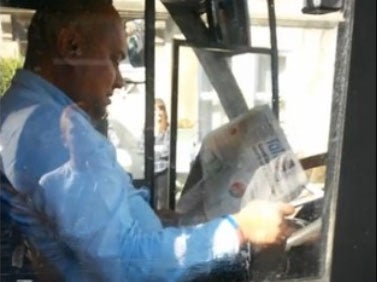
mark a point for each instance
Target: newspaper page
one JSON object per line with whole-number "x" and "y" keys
{"x": 247, "y": 158}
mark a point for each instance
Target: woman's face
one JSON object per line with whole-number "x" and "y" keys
{"x": 160, "y": 119}
{"x": 158, "y": 115}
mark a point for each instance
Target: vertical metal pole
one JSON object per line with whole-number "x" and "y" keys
{"x": 174, "y": 124}
{"x": 149, "y": 17}
{"x": 274, "y": 57}
{"x": 336, "y": 135}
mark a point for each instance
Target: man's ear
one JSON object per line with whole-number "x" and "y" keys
{"x": 69, "y": 44}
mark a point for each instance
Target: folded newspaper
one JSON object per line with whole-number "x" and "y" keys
{"x": 247, "y": 158}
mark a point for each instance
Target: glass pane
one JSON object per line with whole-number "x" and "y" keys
{"x": 230, "y": 148}
{"x": 306, "y": 68}
{"x": 126, "y": 113}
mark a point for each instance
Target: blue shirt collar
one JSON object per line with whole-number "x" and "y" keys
{"x": 39, "y": 85}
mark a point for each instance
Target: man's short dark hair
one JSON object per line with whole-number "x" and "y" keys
{"x": 50, "y": 16}
{"x": 69, "y": 5}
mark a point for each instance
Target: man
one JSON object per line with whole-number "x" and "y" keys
{"x": 74, "y": 202}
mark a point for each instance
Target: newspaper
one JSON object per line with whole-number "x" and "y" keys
{"x": 247, "y": 158}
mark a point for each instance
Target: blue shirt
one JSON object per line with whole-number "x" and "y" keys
{"x": 79, "y": 207}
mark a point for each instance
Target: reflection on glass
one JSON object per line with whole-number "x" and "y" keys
{"x": 306, "y": 68}
{"x": 307, "y": 54}
{"x": 126, "y": 113}
{"x": 128, "y": 103}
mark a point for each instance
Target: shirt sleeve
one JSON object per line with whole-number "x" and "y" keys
{"x": 117, "y": 234}
{"x": 112, "y": 229}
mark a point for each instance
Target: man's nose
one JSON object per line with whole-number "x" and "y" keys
{"x": 119, "y": 82}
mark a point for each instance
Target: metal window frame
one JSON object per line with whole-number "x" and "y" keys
{"x": 177, "y": 44}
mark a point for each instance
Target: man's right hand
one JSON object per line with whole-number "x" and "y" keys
{"x": 262, "y": 222}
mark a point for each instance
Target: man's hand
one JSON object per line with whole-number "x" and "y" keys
{"x": 262, "y": 222}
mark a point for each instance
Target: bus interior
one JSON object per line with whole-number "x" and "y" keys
{"x": 312, "y": 63}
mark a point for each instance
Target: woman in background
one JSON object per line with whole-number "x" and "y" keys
{"x": 162, "y": 145}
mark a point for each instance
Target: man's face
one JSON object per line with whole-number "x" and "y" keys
{"x": 96, "y": 71}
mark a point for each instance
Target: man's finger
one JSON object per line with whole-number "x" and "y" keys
{"x": 286, "y": 209}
